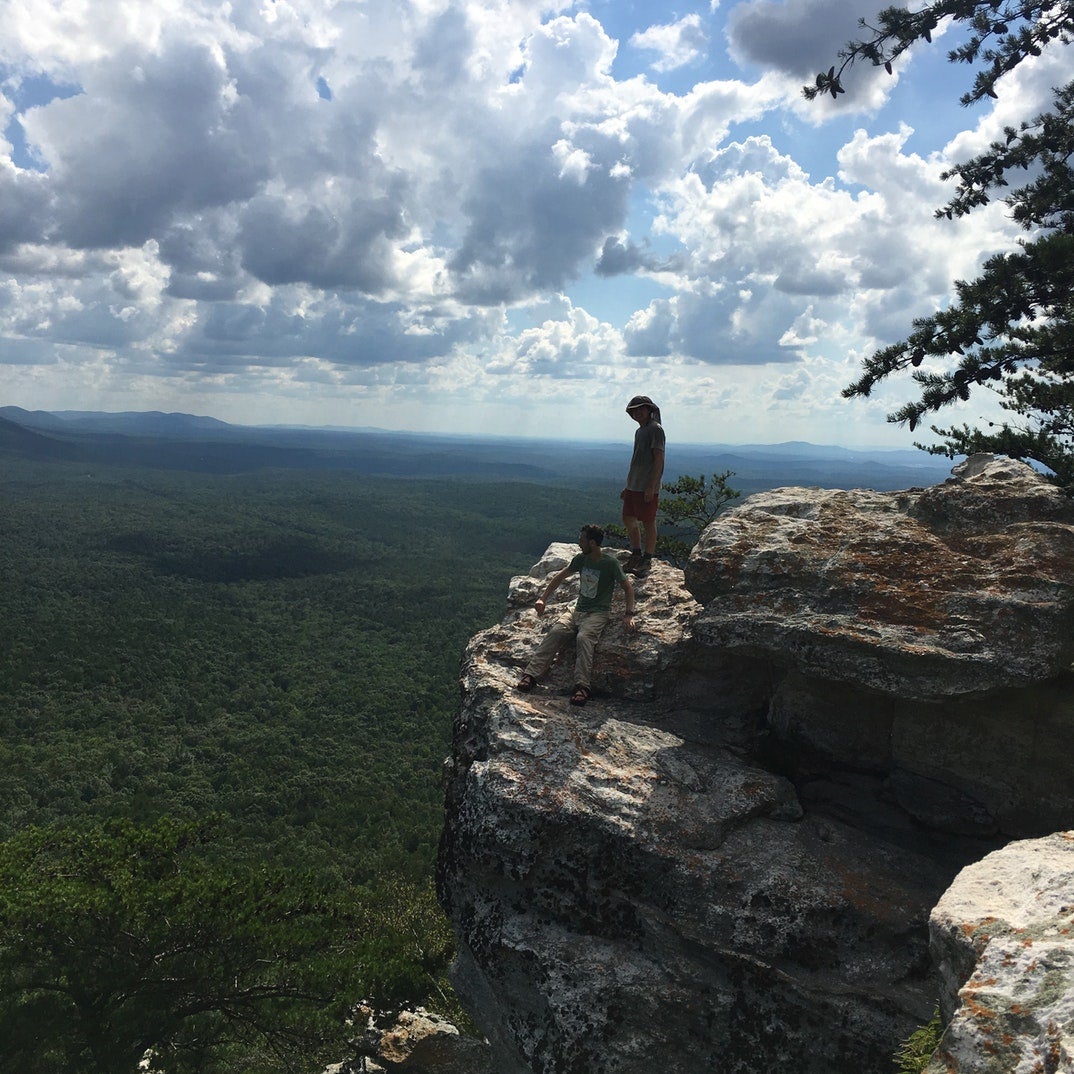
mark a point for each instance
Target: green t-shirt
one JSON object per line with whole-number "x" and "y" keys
{"x": 597, "y": 582}
{"x": 647, "y": 439}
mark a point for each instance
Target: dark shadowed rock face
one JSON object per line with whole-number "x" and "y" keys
{"x": 727, "y": 860}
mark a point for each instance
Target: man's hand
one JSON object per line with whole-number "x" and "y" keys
{"x": 628, "y": 622}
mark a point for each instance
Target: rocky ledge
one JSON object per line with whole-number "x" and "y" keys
{"x": 728, "y": 859}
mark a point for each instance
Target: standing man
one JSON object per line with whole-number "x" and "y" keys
{"x": 586, "y": 621}
{"x": 642, "y": 493}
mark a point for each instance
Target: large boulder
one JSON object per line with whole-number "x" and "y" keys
{"x": 729, "y": 856}
{"x": 1003, "y": 939}
{"x": 930, "y": 593}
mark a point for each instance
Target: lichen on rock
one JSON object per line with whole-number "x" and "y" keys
{"x": 1003, "y": 939}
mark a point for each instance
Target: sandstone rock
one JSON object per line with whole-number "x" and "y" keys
{"x": 625, "y": 896}
{"x": 417, "y": 1042}
{"x": 628, "y": 901}
{"x": 424, "y": 1043}
{"x": 1003, "y": 938}
{"x": 929, "y": 594}
{"x": 727, "y": 860}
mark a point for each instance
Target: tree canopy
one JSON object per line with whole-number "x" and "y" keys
{"x": 1011, "y": 330}
{"x": 255, "y": 648}
{"x": 119, "y": 942}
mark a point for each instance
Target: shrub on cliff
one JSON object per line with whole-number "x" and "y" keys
{"x": 687, "y": 506}
{"x": 916, "y": 1051}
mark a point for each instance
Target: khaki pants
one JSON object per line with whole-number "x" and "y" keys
{"x": 586, "y": 628}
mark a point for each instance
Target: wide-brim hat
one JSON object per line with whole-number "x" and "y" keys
{"x": 639, "y": 401}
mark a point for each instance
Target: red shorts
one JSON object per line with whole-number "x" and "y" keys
{"x": 634, "y": 506}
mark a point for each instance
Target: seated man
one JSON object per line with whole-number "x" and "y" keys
{"x": 587, "y": 620}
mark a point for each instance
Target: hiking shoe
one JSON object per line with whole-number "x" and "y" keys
{"x": 581, "y": 695}
{"x": 642, "y": 568}
{"x": 632, "y": 562}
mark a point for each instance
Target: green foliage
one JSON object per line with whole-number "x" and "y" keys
{"x": 690, "y": 505}
{"x": 1010, "y": 331}
{"x": 916, "y": 1051}
{"x": 280, "y": 650}
{"x": 687, "y": 506}
{"x": 116, "y": 940}
{"x": 1002, "y": 34}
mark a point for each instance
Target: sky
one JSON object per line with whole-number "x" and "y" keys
{"x": 491, "y": 217}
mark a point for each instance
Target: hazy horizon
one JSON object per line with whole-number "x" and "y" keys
{"x": 446, "y": 434}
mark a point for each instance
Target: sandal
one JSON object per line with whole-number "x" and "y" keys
{"x": 581, "y": 695}
{"x": 526, "y": 683}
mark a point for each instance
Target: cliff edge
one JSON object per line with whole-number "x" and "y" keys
{"x": 727, "y": 860}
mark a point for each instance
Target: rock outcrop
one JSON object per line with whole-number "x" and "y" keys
{"x": 1003, "y": 939}
{"x": 414, "y": 1042}
{"x": 727, "y": 860}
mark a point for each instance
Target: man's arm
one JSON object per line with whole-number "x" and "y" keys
{"x": 653, "y": 487}
{"x": 628, "y": 612}
{"x": 549, "y": 589}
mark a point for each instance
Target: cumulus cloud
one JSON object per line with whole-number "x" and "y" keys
{"x": 620, "y": 256}
{"x": 794, "y": 39}
{"x": 796, "y": 36}
{"x": 274, "y": 197}
{"x": 573, "y": 347}
{"x": 149, "y": 138}
{"x": 677, "y": 43}
{"x": 774, "y": 256}
{"x": 24, "y": 203}
{"x": 1022, "y": 94}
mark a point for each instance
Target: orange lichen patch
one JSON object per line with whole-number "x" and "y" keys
{"x": 909, "y": 586}
{"x": 854, "y": 893}
{"x": 970, "y": 927}
{"x": 976, "y": 1009}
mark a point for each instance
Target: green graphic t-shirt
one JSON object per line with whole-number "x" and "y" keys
{"x": 598, "y": 581}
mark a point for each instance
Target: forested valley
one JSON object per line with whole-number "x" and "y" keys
{"x": 273, "y": 656}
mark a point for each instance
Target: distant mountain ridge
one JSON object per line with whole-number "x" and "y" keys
{"x": 178, "y": 441}
{"x": 129, "y": 422}
{"x": 18, "y": 438}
